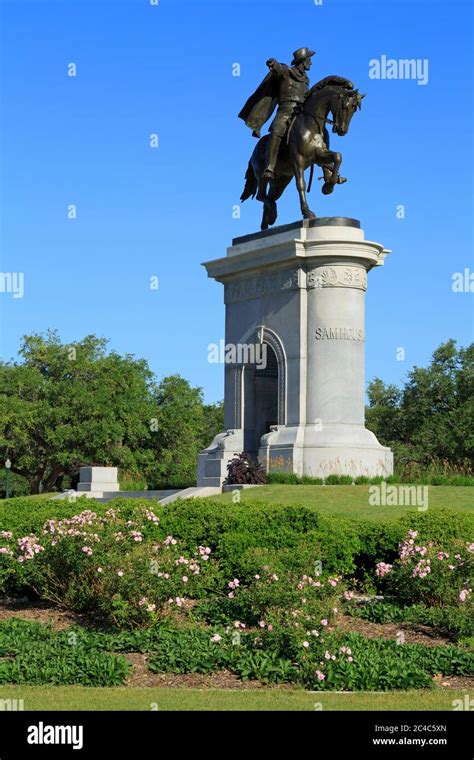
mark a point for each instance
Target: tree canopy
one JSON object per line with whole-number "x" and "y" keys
{"x": 431, "y": 419}
{"x": 67, "y": 405}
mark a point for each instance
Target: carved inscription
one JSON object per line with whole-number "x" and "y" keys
{"x": 254, "y": 287}
{"x": 339, "y": 333}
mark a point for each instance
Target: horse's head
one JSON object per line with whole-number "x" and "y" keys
{"x": 345, "y": 104}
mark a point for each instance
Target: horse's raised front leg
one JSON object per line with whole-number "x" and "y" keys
{"x": 298, "y": 170}
{"x": 331, "y": 175}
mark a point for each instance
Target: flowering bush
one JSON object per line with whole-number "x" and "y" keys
{"x": 427, "y": 573}
{"x": 123, "y": 570}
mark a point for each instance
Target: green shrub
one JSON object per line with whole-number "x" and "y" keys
{"x": 286, "y": 478}
{"x": 338, "y": 480}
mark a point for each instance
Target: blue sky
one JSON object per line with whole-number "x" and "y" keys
{"x": 144, "y": 212}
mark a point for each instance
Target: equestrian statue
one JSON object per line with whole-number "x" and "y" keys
{"x": 297, "y": 137}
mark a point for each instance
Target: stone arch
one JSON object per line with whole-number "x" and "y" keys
{"x": 265, "y": 335}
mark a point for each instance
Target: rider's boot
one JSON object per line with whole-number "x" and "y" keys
{"x": 272, "y": 155}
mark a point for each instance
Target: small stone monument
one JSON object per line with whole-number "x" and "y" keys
{"x": 98, "y": 480}
{"x": 295, "y": 344}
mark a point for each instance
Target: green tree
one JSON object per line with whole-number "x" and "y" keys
{"x": 183, "y": 423}
{"x": 67, "y": 405}
{"x": 214, "y": 422}
{"x": 431, "y": 419}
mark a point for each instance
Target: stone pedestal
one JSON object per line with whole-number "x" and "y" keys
{"x": 98, "y": 479}
{"x": 295, "y": 339}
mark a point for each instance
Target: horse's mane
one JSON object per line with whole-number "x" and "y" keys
{"x": 330, "y": 81}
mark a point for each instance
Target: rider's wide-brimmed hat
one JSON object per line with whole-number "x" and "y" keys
{"x": 301, "y": 54}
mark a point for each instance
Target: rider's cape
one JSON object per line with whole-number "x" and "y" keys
{"x": 260, "y": 106}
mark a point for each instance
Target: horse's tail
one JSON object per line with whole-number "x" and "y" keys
{"x": 251, "y": 184}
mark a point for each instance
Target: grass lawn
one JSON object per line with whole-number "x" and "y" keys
{"x": 350, "y": 501}
{"x": 122, "y": 698}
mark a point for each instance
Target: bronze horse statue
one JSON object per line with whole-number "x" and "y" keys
{"x": 306, "y": 144}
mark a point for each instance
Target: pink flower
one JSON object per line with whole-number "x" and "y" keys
{"x": 270, "y": 627}
{"x": 99, "y": 569}
{"x": 230, "y": 594}
{"x": 257, "y": 577}
{"x": 120, "y": 573}
{"x": 320, "y": 676}
{"x": 350, "y": 659}
{"x": 151, "y": 516}
{"x": 422, "y": 569}
{"x": 382, "y": 568}
{"x": 327, "y": 655}
{"x": 87, "y": 550}
{"x": 216, "y": 638}
{"x": 348, "y": 595}
{"x": 261, "y": 623}
{"x": 464, "y": 594}
{"x": 306, "y": 644}
{"x": 324, "y": 621}
{"x": 332, "y": 582}
{"x": 184, "y": 578}
{"x": 234, "y": 584}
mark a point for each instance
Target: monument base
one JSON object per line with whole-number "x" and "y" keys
{"x": 297, "y": 291}
{"x": 335, "y": 450}
{"x": 212, "y": 462}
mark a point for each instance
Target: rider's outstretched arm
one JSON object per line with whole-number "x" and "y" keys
{"x": 276, "y": 68}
